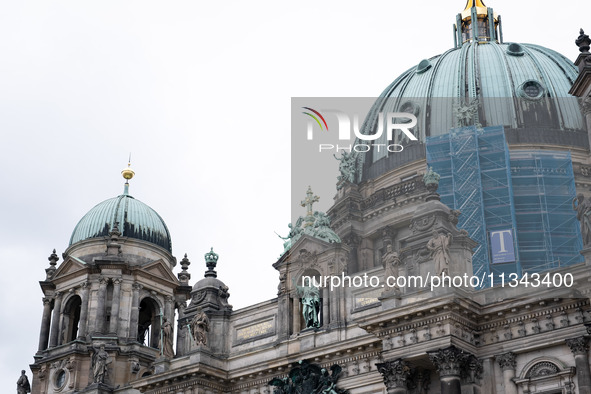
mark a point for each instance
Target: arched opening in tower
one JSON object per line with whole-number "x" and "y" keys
{"x": 71, "y": 319}
{"x": 149, "y": 323}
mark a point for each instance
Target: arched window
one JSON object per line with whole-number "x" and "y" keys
{"x": 71, "y": 319}
{"x": 149, "y": 323}
{"x": 546, "y": 375}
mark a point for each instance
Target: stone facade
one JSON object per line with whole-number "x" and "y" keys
{"x": 105, "y": 306}
{"x": 449, "y": 339}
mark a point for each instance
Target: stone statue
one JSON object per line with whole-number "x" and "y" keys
{"x": 328, "y": 382}
{"x": 22, "y": 384}
{"x": 439, "y": 247}
{"x": 166, "y": 348}
{"x": 583, "y": 208}
{"x": 310, "y": 297}
{"x": 200, "y": 327}
{"x": 431, "y": 177}
{"x": 293, "y": 235}
{"x": 308, "y": 378}
{"x": 391, "y": 262}
{"x": 465, "y": 113}
{"x": 321, "y": 228}
{"x": 100, "y": 359}
{"x": 349, "y": 168}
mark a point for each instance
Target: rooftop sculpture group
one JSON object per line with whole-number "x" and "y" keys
{"x": 307, "y": 378}
{"x": 315, "y": 224}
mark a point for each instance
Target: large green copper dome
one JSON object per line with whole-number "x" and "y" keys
{"x": 134, "y": 219}
{"x": 522, "y": 87}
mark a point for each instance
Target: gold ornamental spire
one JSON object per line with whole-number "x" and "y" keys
{"x": 127, "y": 174}
{"x": 474, "y": 3}
{"x": 481, "y": 10}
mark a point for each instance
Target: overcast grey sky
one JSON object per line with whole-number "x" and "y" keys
{"x": 199, "y": 92}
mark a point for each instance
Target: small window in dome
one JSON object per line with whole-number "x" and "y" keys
{"x": 423, "y": 66}
{"x": 410, "y": 108}
{"x": 515, "y": 50}
{"x": 532, "y": 90}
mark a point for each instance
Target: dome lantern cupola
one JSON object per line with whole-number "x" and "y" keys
{"x": 487, "y": 26}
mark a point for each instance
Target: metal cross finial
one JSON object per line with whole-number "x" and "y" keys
{"x": 309, "y": 201}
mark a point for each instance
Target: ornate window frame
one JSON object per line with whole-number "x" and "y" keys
{"x": 546, "y": 375}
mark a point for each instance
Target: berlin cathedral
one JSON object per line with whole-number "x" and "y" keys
{"x": 492, "y": 196}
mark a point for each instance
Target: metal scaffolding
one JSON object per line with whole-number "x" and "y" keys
{"x": 529, "y": 192}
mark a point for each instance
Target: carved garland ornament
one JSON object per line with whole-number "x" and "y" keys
{"x": 422, "y": 224}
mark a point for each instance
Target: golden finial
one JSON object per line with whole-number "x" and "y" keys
{"x": 128, "y": 172}
{"x": 474, "y": 3}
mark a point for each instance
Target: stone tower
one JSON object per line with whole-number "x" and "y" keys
{"x": 111, "y": 303}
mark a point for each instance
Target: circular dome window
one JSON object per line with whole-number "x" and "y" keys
{"x": 60, "y": 379}
{"x": 515, "y": 50}
{"x": 532, "y": 90}
{"x": 423, "y": 66}
{"x": 407, "y": 107}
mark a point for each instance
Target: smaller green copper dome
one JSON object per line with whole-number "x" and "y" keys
{"x": 134, "y": 220}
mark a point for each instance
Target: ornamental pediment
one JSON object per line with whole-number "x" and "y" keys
{"x": 158, "y": 270}
{"x": 70, "y": 267}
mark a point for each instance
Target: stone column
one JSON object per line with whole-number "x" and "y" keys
{"x": 169, "y": 309}
{"x": 114, "y": 324}
{"x": 45, "y": 324}
{"x": 99, "y": 324}
{"x": 181, "y": 338}
{"x": 55, "y": 320}
{"x": 353, "y": 241}
{"x": 135, "y": 311}
{"x": 324, "y": 313}
{"x": 396, "y": 375}
{"x": 580, "y": 347}
{"x": 83, "y": 311}
{"x": 507, "y": 363}
{"x": 449, "y": 362}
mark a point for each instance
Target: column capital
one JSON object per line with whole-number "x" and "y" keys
{"x": 117, "y": 281}
{"x": 84, "y": 285}
{"x": 103, "y": 281}
{"x": 137, "y": 286}
{"x": 46, "y": 301}
{"x": 449, "y": 361}
{"x": 57, "y": 295}
{"x": 578, "y": 345}
{"x": 395, "y": 373}
{"x": 506, "y": 361}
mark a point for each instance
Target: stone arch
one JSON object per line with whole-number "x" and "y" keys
{"x": 546, "y": 375}
{"x": 70, "y": 319}
{"x": 149, "y": 322}
{"x": 543, "y": 366}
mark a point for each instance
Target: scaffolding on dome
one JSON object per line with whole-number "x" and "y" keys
{"x": 529, "y": 192}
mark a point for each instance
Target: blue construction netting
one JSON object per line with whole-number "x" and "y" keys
{"x": 529, "y": 192}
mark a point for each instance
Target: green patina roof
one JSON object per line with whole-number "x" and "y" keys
{"x": 135, "y": 220}
{"x": 488, "y": 71}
